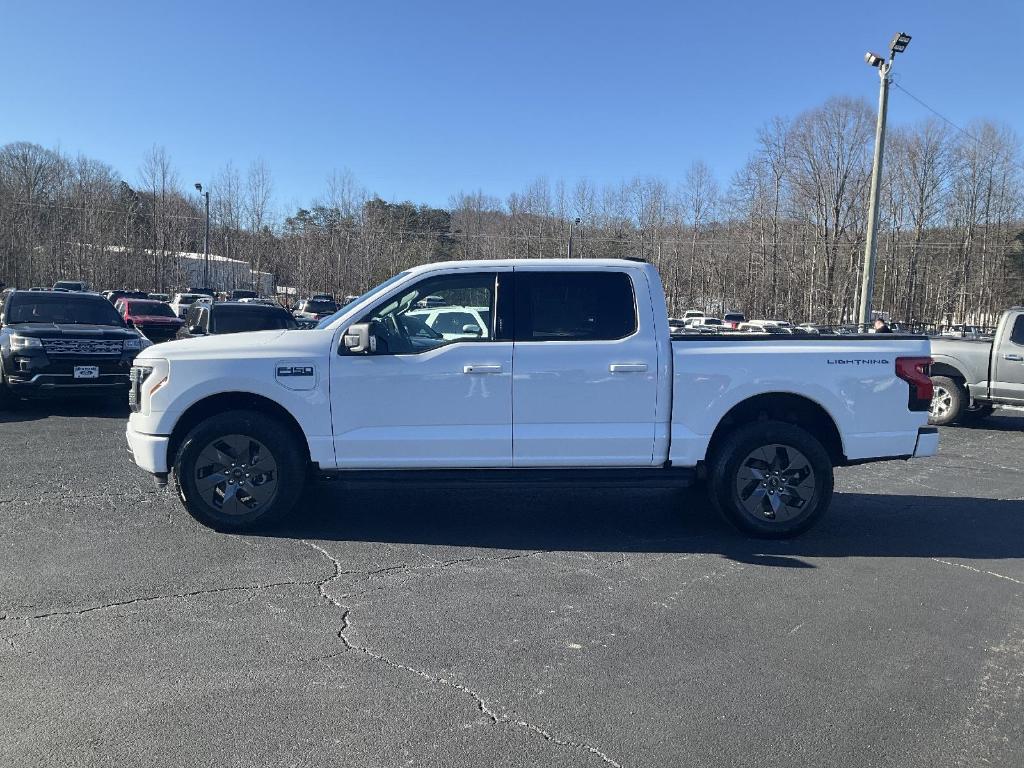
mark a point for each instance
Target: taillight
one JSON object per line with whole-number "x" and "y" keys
{"x": 915, "y": 371}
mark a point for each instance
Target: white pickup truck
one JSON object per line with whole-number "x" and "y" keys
{"x": 576, "y": 379}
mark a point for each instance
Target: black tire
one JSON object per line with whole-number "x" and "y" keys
{"x": 7, "y": 398}
{"x": 976, "y": 412}
{"x": 790, "y": 489}
{"x": 948, "y": 401}
{"x": 261, "y": 485}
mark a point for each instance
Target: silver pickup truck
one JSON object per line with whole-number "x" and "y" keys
{"x": 970, "y": 377}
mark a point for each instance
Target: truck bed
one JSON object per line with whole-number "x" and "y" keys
{"x": 851, "y": 378}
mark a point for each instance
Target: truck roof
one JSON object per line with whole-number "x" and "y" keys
{"x": 560, "y": 263}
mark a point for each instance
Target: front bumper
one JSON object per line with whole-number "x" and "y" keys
{"x": 927, "y": 442}
{"x": 50, "y": 384}
{"x": 36, "y": 373}
{"x": 148, "y": 451}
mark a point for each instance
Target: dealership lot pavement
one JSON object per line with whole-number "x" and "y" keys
{"x": 408, "y": 626}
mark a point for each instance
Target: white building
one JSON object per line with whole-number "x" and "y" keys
{"x": 225, "y": 274}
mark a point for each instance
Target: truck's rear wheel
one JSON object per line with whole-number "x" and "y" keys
{"x": 771, "y": 479}
{"x": 948, "y": 399}
{"x": 239, "y": 470}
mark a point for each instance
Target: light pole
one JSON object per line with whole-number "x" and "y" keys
{"x": 206, "y": 238}
{"x": 867, "y": 284}
{"x": 572, "y": 227}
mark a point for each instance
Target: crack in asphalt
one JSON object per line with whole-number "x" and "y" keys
{"x": 153, "y": 598}
{"x": 250, "y": 588}
{"x": 978, "y": 570}
{"x": 322, "y": 588}
{"x": 495, "y": 718}
{"x": 437, "y": 565}
{"x": 548, "y": 736}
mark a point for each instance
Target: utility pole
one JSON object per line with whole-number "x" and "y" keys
{"x": 572, "y": 227}
{"x": 206, "y": 238}
{"x": 867, "y": 284}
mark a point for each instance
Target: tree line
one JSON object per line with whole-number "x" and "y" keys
{"x": 783, "y": 238}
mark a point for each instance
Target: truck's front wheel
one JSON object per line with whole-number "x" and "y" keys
{"x": 771, "y": 479}
{"x": 6, "y": 396}
{"x": 239, "y": 470}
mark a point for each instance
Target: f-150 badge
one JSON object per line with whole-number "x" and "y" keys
{"x": 295, "y": 370}
{"x": 295, "y": 374}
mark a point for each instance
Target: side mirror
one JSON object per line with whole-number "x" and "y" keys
{"x": 358, "y": 340}
{"x": 129, "y": 322}
{"x": 472, "y": 329}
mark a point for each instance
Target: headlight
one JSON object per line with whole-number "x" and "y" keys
{"x": 137, "y": 344}
{"x": 147, "y": 378}
{"x": 25, "y": 342}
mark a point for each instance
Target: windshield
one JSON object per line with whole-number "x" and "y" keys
{"x": 188, "y": 298}
{"x": 80, "y": 310}
{"x": 151, "y": 308}
{"x": 319, "y": 306}
{"x": 252, "y": 317}
{"x": 68, "y": 284}
{"x": 390, "y": 281}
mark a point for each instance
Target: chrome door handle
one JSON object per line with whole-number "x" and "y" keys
{"x": 481, "y": 369}
{"x": 1015, "y": 358}
{"x": 627, "y": 367}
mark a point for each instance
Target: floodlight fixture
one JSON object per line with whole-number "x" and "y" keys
{"x": 873, "y": 59}
{"x": 899, "y": 43}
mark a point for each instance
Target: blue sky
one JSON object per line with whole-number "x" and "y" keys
{"x": 421, "y": 100}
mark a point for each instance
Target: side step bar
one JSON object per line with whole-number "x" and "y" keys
{"x": 591, "y": 477}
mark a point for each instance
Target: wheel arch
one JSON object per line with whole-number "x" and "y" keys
{"x": 234, "y": 401}
{"x": 798, "y": 410}
{"x": 945, "y": 368}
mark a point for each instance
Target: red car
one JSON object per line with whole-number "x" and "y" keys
{"x": 155, "y": 319}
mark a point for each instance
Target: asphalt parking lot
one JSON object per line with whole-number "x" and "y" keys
{"x": 408, "y": 626}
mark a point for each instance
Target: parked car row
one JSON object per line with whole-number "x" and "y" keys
{"x": 736, "y": 322}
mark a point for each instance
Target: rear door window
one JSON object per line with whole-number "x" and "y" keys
{"x": 574, "y": 306}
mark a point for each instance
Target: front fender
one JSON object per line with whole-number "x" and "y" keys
{"x": 305, "y": 399}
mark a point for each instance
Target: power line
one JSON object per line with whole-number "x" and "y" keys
{"x": 938, "y": 114}
{"x": 946, "y": 120}
{"x": 30, "y": 204}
